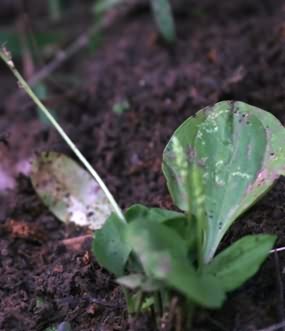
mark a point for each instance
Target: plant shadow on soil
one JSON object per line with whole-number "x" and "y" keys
{"x": 225, "y": 50}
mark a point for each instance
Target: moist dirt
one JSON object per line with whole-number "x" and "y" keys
{"x": 224, "y": 50}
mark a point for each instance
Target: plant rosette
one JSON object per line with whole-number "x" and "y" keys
{"x": 217, "y": 164}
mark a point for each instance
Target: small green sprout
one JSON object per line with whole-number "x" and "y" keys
{"x": 164, "y": 19}
{"x": 121, "y": 107}
{"x": 54, "y": 7}
{"x": 217, "y": 164}
{"x": 39, "y": 302}
{"x": 51, "y": 328}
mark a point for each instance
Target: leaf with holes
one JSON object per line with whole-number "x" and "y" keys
{"x": 69, "y": 191}
{"x": 218, "y": 163}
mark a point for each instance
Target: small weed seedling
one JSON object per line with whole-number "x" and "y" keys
{"x": 217, "y": 164}
{"x": 161, "y": 10}
{"x": 64, "y": 326}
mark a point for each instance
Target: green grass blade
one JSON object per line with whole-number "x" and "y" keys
{"x": 164, "y": 19}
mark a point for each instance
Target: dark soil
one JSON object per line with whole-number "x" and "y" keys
{"x": 225, "y": 50}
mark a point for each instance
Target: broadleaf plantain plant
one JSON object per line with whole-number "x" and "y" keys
{"x": 217, "y": 164}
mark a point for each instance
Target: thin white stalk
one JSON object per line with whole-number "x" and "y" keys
{"x": 6, "y": 57}
{"x": 276, "y": 250}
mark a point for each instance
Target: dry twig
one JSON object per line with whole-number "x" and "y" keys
{"x": 77, "y": 242}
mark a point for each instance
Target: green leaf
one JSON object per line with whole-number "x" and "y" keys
{"x": 55, "y": 9}
{"x": 41, "y": 39}
{"x": 51, "y": 328}
{"x": 176, "y": 165}
{"x": 218, "y": 163}
{"x": 172, "y": 219}
{"x": 110, "y": 246}
{"x": 275, "y": 153}
{"x": 69, "y": 191}
{"x": 237, "y": 263}
{"x": 103, "y": 6}
{"x": 135, "y": 281}
{"x": 138, "y": 211}
{"x": 39, "y": 302}
{"x": 121, "y": 107}
{"x": 164, "y": 19}
{"x": 147, "y": 303}
{"x": 163, "y": 255}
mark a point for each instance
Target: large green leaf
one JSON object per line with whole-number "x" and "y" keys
{"x": 164, "y": 19}
{"x": 237, "y": 263}
{"x": 163, "y": 255}
{"x": 69, "y": 191}
{"x": 218, "y": 163}
{"x": 110, "y": 246}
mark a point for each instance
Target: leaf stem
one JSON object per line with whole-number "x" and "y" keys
{"x": 157, "y": 307}
{"x": 6, "y": 57}
{"x": 190, "y": 309}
